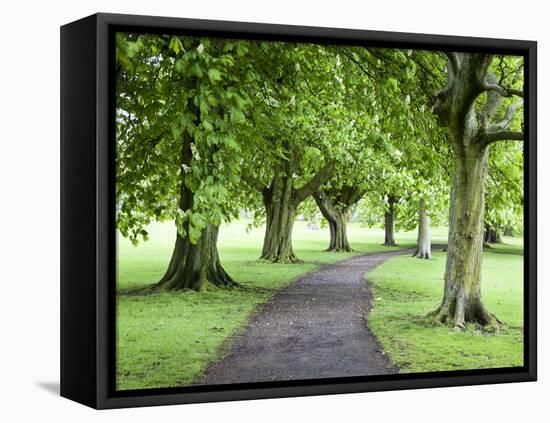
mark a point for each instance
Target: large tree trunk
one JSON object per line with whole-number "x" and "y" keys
{"x": 491, "y": 235}
{"x": 281, "y": 199}
{"x": 280, "y": 214}
{"x": 193, "y": 266}
{"x": 471, "y": 134}
{"x": 462, "y": 301}
{"x": 336, "y": 220}
{"x": 423, "y": 242}
{"x": 389, "y": 216}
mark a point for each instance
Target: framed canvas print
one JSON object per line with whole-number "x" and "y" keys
{"x": 254, "y": 211}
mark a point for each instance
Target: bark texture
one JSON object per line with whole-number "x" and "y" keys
{"x": 389, "y": 218}
{"x": 462, "y": 300}
{"x": 467, "y": 78}
{"x": 423, "y": 242}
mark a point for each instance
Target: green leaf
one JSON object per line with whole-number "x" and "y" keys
{"x": 175, "y": 45}
{"x": 236, "y": 115}
{"x": 207, "y": 125}
{"x": 214, "y": 75}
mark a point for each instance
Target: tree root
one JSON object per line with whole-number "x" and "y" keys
{"x": 458, "y": 318}
{"x": 288, "y": 259}
{"x": 422, "y": 255}
{"x": 218, "y": 279}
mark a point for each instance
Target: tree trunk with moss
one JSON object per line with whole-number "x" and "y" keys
{"x": 280, "y": 215}
{"x": 336, "y": 221}
{"x": 471, "y": 134}
{"x": 193, "y": 265}
{"x": 423, "y": 242}
{"x": 281, "y": 199}
{"x": 462, "y": 300}
{"x": 389, "y": 218}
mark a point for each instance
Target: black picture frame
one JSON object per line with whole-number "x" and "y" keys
{"x": 87, "y": 211}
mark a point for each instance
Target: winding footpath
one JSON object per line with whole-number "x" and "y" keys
{"x": 314, "y": 328}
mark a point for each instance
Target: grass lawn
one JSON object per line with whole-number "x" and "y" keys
{"x": 168, "y": 339}
{"x": 405, "y": 289}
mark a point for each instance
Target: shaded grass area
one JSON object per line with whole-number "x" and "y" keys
{"x": 168, "y": 339}
{"x": 405, "y": 289}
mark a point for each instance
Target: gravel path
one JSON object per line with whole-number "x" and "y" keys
{"x": 314, "y": 328}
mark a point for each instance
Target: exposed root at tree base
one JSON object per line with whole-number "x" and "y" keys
{"x": 426, "y": 256}
{"x": 221, "y": 281}
{"x": 488, "y": 322}
{"x": 282, "y": 260}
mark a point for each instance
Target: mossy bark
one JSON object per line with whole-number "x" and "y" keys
{"x": 462, "y": 295}
{"x": 423, "y": 242}
{"x": 195, "y": 266}
{"x": 462, "y": 301}
{"x": 335, "y": 217}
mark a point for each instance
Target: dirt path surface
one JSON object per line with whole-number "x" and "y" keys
{"x": 314, "y": 328}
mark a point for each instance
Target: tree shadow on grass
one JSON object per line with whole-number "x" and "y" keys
{"x": 147, "y": 291}
{"x": 504, "y": 249}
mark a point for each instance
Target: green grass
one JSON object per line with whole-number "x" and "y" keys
{"x": 405, "y": 289}
{"x": 168, "y": 339}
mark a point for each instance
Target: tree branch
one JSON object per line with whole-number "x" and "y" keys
{"x": 506, "y": 119}
{"x": 453, "y": 60}
{"x": 504, "y": 92}
{"x": 360, "y": 65}
{"x": 502, "y": 136}
{"x": 320, "y": 178}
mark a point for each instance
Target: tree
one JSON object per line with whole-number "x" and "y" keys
{"x": 423, "y": 242}
{"x": 297, "y": 125}
{"x": 334, "y": 204}
{"x": 468, "y": 107}
{"x": 281, "y": 200}
{"x": 178, "y": 102}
